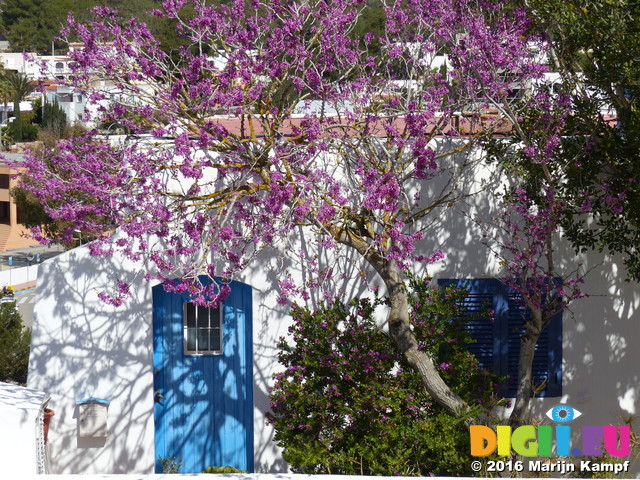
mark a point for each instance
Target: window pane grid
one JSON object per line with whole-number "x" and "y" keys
{"x": 202, "y": 330}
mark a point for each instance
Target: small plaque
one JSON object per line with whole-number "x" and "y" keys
{"x": 92, "y": 419}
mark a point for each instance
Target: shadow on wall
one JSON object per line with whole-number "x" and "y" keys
{"x": 271, "y": 321}
{"x": 600, "y": 372}
{"x": 22, "y": 402}
{"x": 82, "y": 348}
{"x": 446, "y": 229}
{"x": 600, "y": 361}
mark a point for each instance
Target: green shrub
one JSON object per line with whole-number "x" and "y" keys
{"x": 15, "y": 341}
{"x": 223, "y": 470}
{"x": 349, "y": 403}
{"x": 22, "y": 130}
{"x": 170, "y": 465}
{"x": 54, "y": 118}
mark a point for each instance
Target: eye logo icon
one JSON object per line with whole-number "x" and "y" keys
{"x": 563, "y": 413}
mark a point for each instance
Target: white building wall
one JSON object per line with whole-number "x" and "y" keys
{"x": 82, "y": 347}
{"x": 600, "y": 375}
{"x": 71, "y": 101}
{"x": 19, "y": 413}
{"x": 16, "y": 61}
{"x": 42, "y": 67}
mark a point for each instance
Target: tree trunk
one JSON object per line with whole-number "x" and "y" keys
{"x": 399, "y": 325}
{"x": 18, "y": 120}
{"x": 533, "y": 330}
{"x": 400, "y": 332}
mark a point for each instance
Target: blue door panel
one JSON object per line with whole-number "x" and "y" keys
{"x": 204, "y": 403}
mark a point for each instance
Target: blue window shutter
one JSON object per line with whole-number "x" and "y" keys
{"x": 497, "y": 346}
{"x": 483, "y": 295}
{"x": 547, "y": 360}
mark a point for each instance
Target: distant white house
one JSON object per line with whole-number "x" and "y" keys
{"x": 54, "y": 71}
{"x": 72, "y": 101}
{"x": 17, "y": 61}
{"x": 193, "y": 384}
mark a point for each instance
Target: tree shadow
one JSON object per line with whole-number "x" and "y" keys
{"x": 83, "y": 348}
{"x": 599, "y": 371}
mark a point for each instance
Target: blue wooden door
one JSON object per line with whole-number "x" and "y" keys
{"x": 203, "y": 402}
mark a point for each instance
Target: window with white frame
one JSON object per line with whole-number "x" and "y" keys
{"x": 202, "y": 330}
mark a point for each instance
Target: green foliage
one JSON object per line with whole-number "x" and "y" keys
{"x": 371, "y": 20}
{"x": 223, "y": 470}
{"x": 596, "y": 47}
{"x": 53, "y": 123}
{"x": 31, "y": 211}
{"x": 33, "y": 25}
{"x": 33, "y": 214}
{"x": 170, "y": 465}
{"x": 349, "y": 403}
{"x": 15, "y": 341}
{"x": 22, "y": 130}
{"x": 439, "y": 326}
{"x": 6, "y": 95}
{"x": 54, "y": 119}
{"x": 20, "y": 86}
{"x": 5, "y": 139}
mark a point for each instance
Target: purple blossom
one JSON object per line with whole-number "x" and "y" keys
{"x": 246, "y": 172}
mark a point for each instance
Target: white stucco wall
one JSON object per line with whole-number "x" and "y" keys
{"x": 600, "y": 376}
{"x": 83, "y": 348}
{"x": 16, "y": 276}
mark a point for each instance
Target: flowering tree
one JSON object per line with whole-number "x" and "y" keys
{"x": 582, "y": 183}
{"x": 593, "y": 46}
{"x": 526, "y": 233}
{"x": 276, "y": 124}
